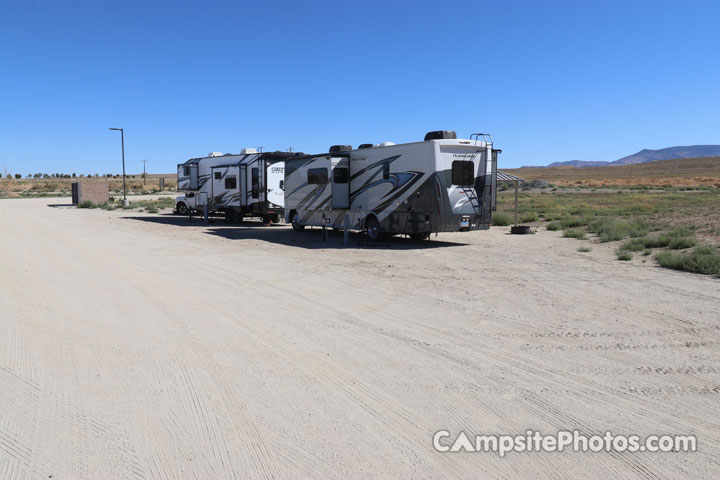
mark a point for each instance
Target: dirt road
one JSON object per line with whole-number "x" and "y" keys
{"x": 139, "y": 346}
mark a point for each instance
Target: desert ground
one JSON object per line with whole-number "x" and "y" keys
{"x": 141, "y": 346}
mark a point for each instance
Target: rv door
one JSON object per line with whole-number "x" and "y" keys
{"x": 193, "y": 176}
{"x": 340, "y": 175}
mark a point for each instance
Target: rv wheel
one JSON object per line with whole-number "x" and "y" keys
{"x": 181, "y": 208}
{"x": 297, "y": 226}
{"x": 373, "y": 229}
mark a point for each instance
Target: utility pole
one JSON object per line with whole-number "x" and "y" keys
{"x": 290, "y": 149}
{"x": 144, "y": 174}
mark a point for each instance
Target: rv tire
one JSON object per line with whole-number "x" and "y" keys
{"x": 373, "y": 229}
{"x": 181, "y": 208}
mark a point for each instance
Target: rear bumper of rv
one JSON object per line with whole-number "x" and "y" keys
{"x": 463, "y": 223}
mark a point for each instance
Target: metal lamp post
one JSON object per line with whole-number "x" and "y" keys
{"x": 122, "y": 140}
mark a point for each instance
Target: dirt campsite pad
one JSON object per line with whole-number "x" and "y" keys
{"x": 135, "y": 345}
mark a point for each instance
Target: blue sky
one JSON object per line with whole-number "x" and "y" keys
{"x": 552, "y": 81}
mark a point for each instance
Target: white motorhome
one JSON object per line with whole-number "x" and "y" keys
{"x": 442, "y": 184}
{"x": 242, "y": 185}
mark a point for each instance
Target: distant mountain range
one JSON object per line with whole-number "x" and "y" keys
{"x": 646, "y": 155}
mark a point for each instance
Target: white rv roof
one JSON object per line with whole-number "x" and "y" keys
{"x": 447, "y": 141}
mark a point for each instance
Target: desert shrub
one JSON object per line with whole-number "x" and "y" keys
{"x": 703, "y": 259}
{"x": 609, "y": 229}
{"x": 550, "y": 216}
{"x": 637, "y": 244}
{"x": 537, "y": 183}
{"x": 584, "y": 249}
{"x": 682, "y": 243}
{"x": 574, "y": 233}
{"x": 573, "y": 222}
{"x": 624, "y": 256}
{"x": 531, "y": 217}
{"x": 639, "y": 229}
{"x": 151, "y": 210}
{"x": 676, "y": 239}
{"x": 554, "y": 226}
{"x": 581, "y": 209}
{"x": 647, "y": 252}
{"x": 501, "y": 219}
{"x": 87, "y": 204}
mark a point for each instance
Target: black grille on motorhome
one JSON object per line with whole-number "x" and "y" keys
{"x": 441, "y": 135}
{"x": 340, "y": 148}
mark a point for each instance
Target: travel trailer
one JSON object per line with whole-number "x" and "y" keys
{"x": 193, "y": 176}
{"x": 248, "y": 184}
{"x": 442, "y": 184}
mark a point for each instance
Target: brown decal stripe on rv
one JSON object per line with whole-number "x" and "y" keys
{"x": 397, "y": 180}
{"x": 312, "y": 196}
{"x": 220, "y": 198}
{"x": 222, "y": 174}
{"x": 317, "y": 207}
{"x": 398, "y": 193}
{"x": 377, "y": 164}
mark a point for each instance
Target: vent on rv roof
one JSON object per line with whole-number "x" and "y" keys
{"x": 441, "y": 135}
{"x": 340, "y": 148}
{"x": 365, "y": 145}
{"x": 215, "y": 154}
{"x": 246, "y": 151}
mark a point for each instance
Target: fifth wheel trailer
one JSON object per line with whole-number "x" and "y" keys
{"x": 251, "y": 187}
{"x": 442, "y": 184}
{"x": 248, "y": 184}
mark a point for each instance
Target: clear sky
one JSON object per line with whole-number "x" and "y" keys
{"x": 552, "y": 81}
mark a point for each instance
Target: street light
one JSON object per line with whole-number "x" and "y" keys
{"x": 122, "y": 140}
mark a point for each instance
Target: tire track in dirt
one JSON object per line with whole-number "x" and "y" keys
{"x": 558, "y": 419}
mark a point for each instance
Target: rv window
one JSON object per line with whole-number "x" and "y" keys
{"x": 317, "y": 176}
{"x": 218, "y": 175}
{"x": 186, "y": 171}
{"x": 463, "y": 173}
{"x": 230, "y": 183}
{"x": 340, "y": 175}
{"x": 386, "y": 171}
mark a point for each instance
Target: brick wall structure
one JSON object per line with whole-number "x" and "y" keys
{"x": 95, "y": 191}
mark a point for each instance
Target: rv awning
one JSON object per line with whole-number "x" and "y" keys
{"x": 506, "y": 177}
